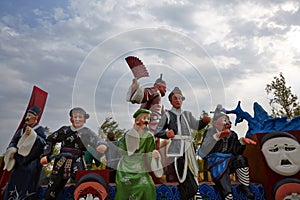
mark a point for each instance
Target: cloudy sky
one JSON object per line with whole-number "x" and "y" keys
{"x": 215, "y": 51}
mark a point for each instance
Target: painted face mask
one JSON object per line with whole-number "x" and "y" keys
{"x": 282, "y": 155}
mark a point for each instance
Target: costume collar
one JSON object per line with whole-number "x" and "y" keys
{"x": 176, "y": 111}
{"x": 76, "y": 129}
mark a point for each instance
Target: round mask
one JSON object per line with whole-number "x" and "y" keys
{"x": 282, "y": 155}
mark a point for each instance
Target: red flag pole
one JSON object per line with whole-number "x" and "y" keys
{"x": 38, "y": 98}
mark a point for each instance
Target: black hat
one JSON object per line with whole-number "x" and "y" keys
{"x": 79, "y": 110}
{"x": 159, "y": 80}
{"x": 35, "y": 110}
{"x": 176, "y": 90}
{"x": 141, "y": 111}
{"x": 219, "y": 112}
{"x": 275, "y": 135}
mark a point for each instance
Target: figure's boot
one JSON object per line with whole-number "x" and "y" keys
{"x": 197, "y": 196}
{"x": 247, "y": 192}
{"x": 243, "y": 177}
{"x": 229, "y": 197}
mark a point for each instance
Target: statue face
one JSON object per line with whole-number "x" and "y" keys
{"x": 30, "y": 119}
{"x": 143, "y": 119}
{"x": 162, "y": 88}
{"x": 222, "y": 123}
{"x": 282, "y": 155}
{"x": 176, "y": 101}
{"x": 77, "y": 119}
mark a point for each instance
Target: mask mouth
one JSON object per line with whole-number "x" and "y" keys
{"x": 285, "y": 162}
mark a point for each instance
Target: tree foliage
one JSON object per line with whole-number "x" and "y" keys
{"x": 198, "y": 134}
{"x": 283, "y": 103}
{"x": 110, "y": 126}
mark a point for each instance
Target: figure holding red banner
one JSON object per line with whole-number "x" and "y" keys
{"x": 38, "y": 98}
{"x": 22, "y": 158}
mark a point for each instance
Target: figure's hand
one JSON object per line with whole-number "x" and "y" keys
{"x": 155, "y": 154}
{"x": 248, "y": 141}
{"x": 44, "y": 160}
{"x": 170, "y": 134}
{"x": 27, "y": 130}
{"x": 101, "y": 148}
{"x": 223, "y": 134}
{"x": 135, "y": 84}
{"x": 205, "y": 119}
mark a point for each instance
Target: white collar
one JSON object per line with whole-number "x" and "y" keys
{"x": 76, "y": 129}
{"x": 176, "y": 111}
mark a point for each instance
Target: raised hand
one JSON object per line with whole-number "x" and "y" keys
{"x": 170, "y": 134}
{"x": 248, "y": 141}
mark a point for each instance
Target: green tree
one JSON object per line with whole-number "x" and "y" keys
{"x": 198, "y": 135}
{"x": 110, "y": 126}
{"x": 283, "y": 102}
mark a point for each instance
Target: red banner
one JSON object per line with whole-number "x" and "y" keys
{"x": 38, "y": 98}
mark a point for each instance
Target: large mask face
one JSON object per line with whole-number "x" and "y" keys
{"x": 282, "y": 155}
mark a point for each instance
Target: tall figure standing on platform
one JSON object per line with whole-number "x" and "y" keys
{"x": 223, "y": 150}
{"x": 138, "y": 154}
{"x": 176, "y": 125}
{"x": 23, "y": 158}
{"x": 75, "y": 139}
{"x": 150, "y": 98}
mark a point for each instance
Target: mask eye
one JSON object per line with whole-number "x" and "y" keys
{"x": 274, "y": 149}
{"x": 290, "y": 148}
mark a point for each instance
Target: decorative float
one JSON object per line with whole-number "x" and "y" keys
{"x": 275, "y": 161}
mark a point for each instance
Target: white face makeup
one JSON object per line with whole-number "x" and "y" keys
{"x": 282, "y": 155}
{"x": 293, "y": 196}
{"x": 77, "y": 119}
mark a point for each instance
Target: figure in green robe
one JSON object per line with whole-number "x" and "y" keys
{"x": 138, "y": 157}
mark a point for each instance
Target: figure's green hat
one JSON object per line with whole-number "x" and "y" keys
{"x": 141, "y": 111}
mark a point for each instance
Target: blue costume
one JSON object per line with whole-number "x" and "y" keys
{"x": 25, "y": 175}
{"x": 224, "y": 155}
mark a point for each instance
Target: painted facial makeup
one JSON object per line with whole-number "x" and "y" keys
{"x": 282, "y": 155}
